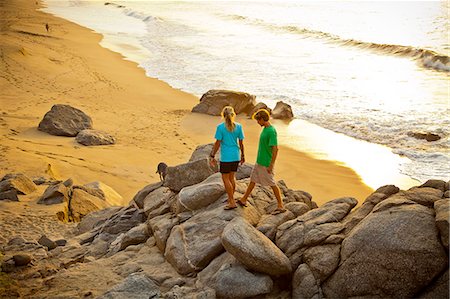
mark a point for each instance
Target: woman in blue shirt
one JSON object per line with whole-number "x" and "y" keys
{"x": 229, "y": 138}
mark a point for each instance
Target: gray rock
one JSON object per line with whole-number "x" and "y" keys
{"x": 282, "y": 111}
{"x": 442, "y": 209}
{"x": 82, "y": 203}
{"x": 312, "y": 228}
{"x": 8, "y": 266}
{"x": 297, "y": 208}
{"x": 68, "y": 183}
{"x": 155, "y": 200}
{"x": 258, "y": 106}
{"x": 195, "y": 242}
{"x": 106, "y": 193}
{"x": 188, "y": 174}
{"x": 161, "y": 227}
{"x": 21, "y": 259}
{"x": 54, "y": 194}
{"x": 253, "y": 249}
{"x": 322, "y": 260}
{"x": 304, "y": 284}
{"x": 142, "y": 194}
{"x": 213, "y": 102}
{"x": 134, "y": 236}
{"x": 268, "y": 223}
{"x": 44, "y": 241}
{"x": 95, "y": 219}
{"x": 90, "y": 137}
{"x": 123, "y": 221}
{"x": 388, "y": 190}
{"x": 244, "y": 171}
{"x": 64, "y": 120}
{"x": 9, "y": 195}
{"x": 235, "y": 281}
{"x": 393, "y": 252}
{"x": 202, "y": 194}
{"x": 438, "y": 289}
{"x": 61, "y": 242}
{"x": 19, "y": 182}
{"x": 436, "y": 184}
{"x": 135, "y": 286}
{"x": 202, "y": 152}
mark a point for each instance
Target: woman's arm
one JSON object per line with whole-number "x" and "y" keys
{"x": 241, "y": 146}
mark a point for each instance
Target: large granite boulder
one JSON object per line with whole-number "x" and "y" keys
{"x": 195, "y": 242}
{"x": 213, "y": 102}
{"x": 394, "y": 252}
{"x": 282, "y": 111}
{"x": 202, "y": 194}
{"x": 258, "y": 106}
{"x": 54, "y": 194}
{"x": 138, "y": 199}
{"x": 64, "y": 120}
{"x": 82, "y": 203}
{"x": 253, "y": 249}
{"x": 312, "y": 228}
{"x": 105, "y": 192}
{"x": 188, "y": 174}
{"x": 202, "y": 152}
{"x": 161, "y": 227}
{"x": 157, "y": 202}
{"x": 230, "y": 279}
{"x": 94, "y": 137}
{"x": 17, "y": 182}
{"x": 442, "y": 209}
{"x": 304, "y": 284}
{"x": 268, "y": 224}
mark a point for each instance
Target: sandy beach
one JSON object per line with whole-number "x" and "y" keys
{"x": 151, "y": 121}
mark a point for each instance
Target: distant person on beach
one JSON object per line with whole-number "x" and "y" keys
{"x": 267, "y": 154}
{"x": 229, "y": 138}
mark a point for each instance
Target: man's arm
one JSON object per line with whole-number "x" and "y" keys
{"x": 274, "y": 157}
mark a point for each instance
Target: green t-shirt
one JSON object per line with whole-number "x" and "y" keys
{"x": 267, "y": 139}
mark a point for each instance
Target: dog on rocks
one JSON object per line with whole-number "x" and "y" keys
{"x": 162, "y": 170}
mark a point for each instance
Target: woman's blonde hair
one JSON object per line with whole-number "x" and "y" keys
{"x": 228, "y": 114}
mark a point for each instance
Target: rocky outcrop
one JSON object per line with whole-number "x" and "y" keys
{"x": 14, "y": 184}
{"x": 64, "y": 120}
{"x": 90, "y": 137}
{"x": 282, "y": 111}
{"x": 55, "y": 194}
{"x": 312, "y": 228}
{"x": 254, "y": 250}
{"x": 213, "y": 102}
{"x": 393, "y": 245}
{"x": 393, "y": 252}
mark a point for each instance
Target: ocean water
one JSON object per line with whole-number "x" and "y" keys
{"x": 374, "y": 71}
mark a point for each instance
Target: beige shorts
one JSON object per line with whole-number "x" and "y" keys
{"x": 261, "y": 176}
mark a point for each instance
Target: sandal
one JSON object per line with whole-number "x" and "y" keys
{"x": 242, "y": 204}
{"x": 229, "y": 208}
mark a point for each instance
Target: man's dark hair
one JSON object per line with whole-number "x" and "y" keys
{"x": 261, "y": 114}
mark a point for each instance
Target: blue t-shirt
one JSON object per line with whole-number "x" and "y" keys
{"x": 229, "y": 146}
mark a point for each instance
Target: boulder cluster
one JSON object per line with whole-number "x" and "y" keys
{"x": 175, "y": 240}
{"x": 64, "y": 120}
{"x": 213, "y": 102}
{"x": 78, "y": 200}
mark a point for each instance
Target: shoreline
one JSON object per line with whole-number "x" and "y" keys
{"x": 151, "y": 120}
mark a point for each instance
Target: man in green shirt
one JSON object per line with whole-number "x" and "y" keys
{"x": 267, "y": 154}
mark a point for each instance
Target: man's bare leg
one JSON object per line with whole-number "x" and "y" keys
{"x": 276, "y": 191}
{"x": 249, "y": 190}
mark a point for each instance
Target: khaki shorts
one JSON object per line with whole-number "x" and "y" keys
{"x": 261, "y": 176}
